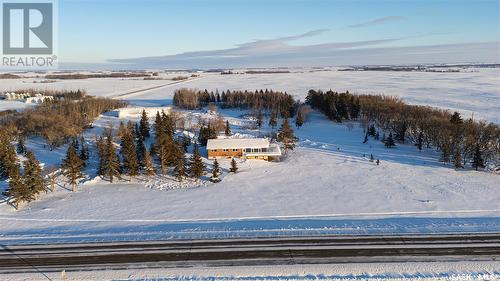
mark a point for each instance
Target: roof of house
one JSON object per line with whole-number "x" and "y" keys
{"x": 237, "y": 143}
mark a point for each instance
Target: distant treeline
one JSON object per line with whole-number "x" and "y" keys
{"x": 180, "y": 78}
{"x": 59, "y": 120}
{"x": 57, "y": 94}
{"x": 266, "y": 71}
{"x": 9, "y": 76}
{"x": 261, "y": 100}
{"x": 98, "y": 75}
{"x": 461, "y": 142}
{"x": 398, "y": 68}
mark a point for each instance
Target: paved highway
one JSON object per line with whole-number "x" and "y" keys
{"x": 257, "y": 251}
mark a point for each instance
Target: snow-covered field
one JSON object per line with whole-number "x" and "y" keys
{"x": 327, "y": 185}
{"x": 475, "y": 90}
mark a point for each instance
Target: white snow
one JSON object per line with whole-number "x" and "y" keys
{"x": 325, "y": 186}
{"x": 13, "y": 105}
{"x": 422, "y": 271}
{"x": 471, "y": 92}
{"x": 134, "y": 112}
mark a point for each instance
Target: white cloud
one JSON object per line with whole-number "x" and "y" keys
{"x": 377, "y": 21}
{"x": 279, "y": 52}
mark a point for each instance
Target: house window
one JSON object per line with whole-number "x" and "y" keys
{"x": 214, "y": 150}
{"x": 225, "y": 149}
{"x": 264, "y": 149}
{"x": 255, "y": 150}
{"x": 248, "y": 150}
{"x": 235, "y": 150}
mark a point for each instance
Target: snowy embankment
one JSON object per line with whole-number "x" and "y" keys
{"x": 326, "y": 186}
{"x": 422, "y": 271}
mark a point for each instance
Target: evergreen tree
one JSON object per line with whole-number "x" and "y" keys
{"x": 72, "y": 167}
{"x": 299, "y": 119}
{"x": 234, "y": 167}
{"x": 378, "y": 162}
{"x": 101, "y": 152}
{"x": 140, "y": 151}
{"x": 168, "y": 123}
{"x": 273, "y": 122}
{"x": 163, "y": 150}
{"x": 75, "y": 143}
{"x": 259, "y": 118}
{"x": 371, "y": 131}
{"x": 420, "y": 141}
{"x": 196, "y": 164}
{"x": 148, "y": 164}
{"x": 152, "y": 150}
{"x": 377, "y": 136}
{"x": 18, "y": 191}
{"x": 8, "y": 157}
{"x": 215, "y": 172}
{"x": 401, "y": 132}
{"x": 457, "y": 158}
{"x": 129, "y": 153}
{"x": 372, "y": 158}
{"x": 227, "y": 131}
{"x": 180, "y": 165}
{"x": 456, "y": 119}
{"x": 389, "y": 142}
{"x": 144, "y": 125}
{"x": 33, "y": 178}
{"x": 158, "y": 125}
{"x": 111, "y": 161}
{"x": 287, "y": 136}
{"x": 355, "y": 107}
{"x": 21, "y": 147}
{"x": 186, "y": 142}
{"x": 205, "y": 134}
{"x": 477, "y": 161}
{"x": 84, "y": 153}
{"x": 121, "y": 129}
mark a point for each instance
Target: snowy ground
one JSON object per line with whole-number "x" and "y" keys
{"x": 13, "y": 105}
{"x": 471, "y": 91}
{"x": 326, "y": 186}
{"x": 422, "y": 271}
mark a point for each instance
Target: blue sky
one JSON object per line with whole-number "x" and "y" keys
{"x": 98, "y": 30}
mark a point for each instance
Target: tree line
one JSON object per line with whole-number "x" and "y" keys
{"x": 26, "y": 180}
{"x": 166, "y": 155}
{"x": 281, "y": 103}
{"x": 59, "y": 120}
{"x": 462, "y": 142}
